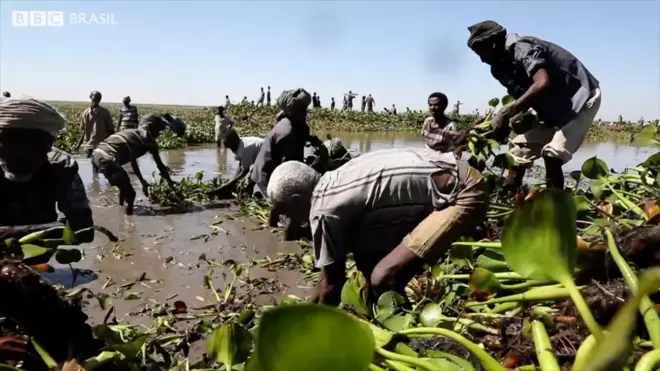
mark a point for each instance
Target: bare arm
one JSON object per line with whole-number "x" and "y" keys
{"x": 395, "y": 270}
{"x": 330, "y": 241}
{"x": 541, "y": 82}
{"x": 138, "y": 173}
{"x": 164, "y": 171}
{"x": 534, "y": 60}
{"x": 240, "y": 174}
{"x": 328, "y": 290}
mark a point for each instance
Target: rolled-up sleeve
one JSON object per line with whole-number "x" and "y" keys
{"x": 329, "y": 235}
{"x": 73, "y": 203}
{"x": 531, "y": 56}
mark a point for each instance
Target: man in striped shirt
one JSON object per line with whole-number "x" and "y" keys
{"x": 393, "y": 209}
{"x": 125, "y": 147}
{"x": 128, "y": 115}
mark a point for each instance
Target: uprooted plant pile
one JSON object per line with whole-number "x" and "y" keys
{"x": 554, "y": 280}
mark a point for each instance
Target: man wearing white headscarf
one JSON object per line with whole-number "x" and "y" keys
{"x": 35, "y": 177}
{"x": 287, "y": 140}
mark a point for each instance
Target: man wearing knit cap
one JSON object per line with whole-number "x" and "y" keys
{"x": 548, "y": 79}
{"x": 287, "y": 140}
{"x": 37, "y": 179}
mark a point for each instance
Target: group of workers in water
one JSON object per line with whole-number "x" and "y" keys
{"x": 395, "y": 210}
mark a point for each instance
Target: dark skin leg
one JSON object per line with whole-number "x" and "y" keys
{"x": 126, "y": 192}
{"x": 130, "y": 200}
{"x": 554, "y": 174}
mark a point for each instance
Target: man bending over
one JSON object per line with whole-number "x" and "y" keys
{"x": 393, "y": 209}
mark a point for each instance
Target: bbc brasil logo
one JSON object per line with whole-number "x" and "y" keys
{"x": 34, "y": 18}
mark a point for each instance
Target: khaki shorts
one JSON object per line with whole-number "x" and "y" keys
{"x": 553, "y": 142}
{"x": 433, "y": 237}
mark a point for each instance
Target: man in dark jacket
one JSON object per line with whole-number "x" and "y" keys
{"x": 37, "y": 179}
{"x": 548, "y": 79}
{"x": 287, "y": 140}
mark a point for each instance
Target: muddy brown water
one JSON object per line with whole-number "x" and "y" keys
{"x": 161, "y": 247}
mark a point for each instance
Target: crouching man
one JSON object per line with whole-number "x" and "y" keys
{"x": 37, "y": 179}
{"x": 245, "y": 151}
{"x": 549, "y": 79}
{"x": 395, "y": 210}
{"x": 126, "y": 147}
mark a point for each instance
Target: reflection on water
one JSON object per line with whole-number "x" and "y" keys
{"x": 64, "y": 276}
{"x": 213, "y": 161}
{"x": 175, "y": 160}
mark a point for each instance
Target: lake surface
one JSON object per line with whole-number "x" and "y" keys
{"x": 213, "y": 162}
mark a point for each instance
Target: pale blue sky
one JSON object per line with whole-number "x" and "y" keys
{"x": 187, "y": 52}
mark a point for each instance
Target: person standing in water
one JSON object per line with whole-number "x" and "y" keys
{"x": 222, "y": 124}
{"x": 438, "y": 131}
{"x": 126, "y": 147}
{"x": 128, "y": 115}
{"x": 370, "y": 103}
{"x": 287, "y": 140}
{"x": 96, "y": 124}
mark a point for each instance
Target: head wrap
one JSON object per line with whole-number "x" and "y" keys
{"x": 485, "y": 32}
{"x": 30, "y": 113}
{"x": 294, "y": 101}
{"x": 174, "y": 123}
{"x": 154, "y": 121}
{"x": 126, "y": 99}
